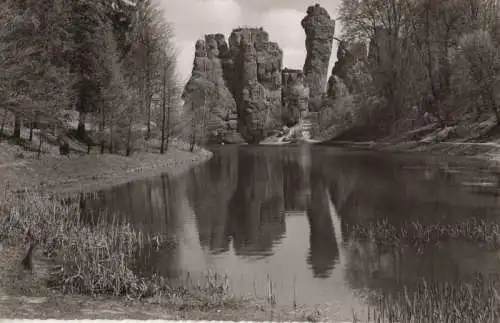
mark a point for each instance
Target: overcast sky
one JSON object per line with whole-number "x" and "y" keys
{"x": 280, "y": 18}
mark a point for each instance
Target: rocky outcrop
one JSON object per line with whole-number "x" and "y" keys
{"x": 320, "y": 30}
{"x": 294, "y": 96}
{"x": 208, "y": 80}
{"x": 253, "y": 96}
{"x": 348, "y": 55}
{"x": 256, "y": 81}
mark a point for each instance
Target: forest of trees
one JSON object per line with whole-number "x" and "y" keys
{"x": 436, "y": 56}
{"x": 111, "y": 61}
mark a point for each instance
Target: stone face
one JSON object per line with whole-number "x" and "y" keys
{"x": 210, "y": 65}
{"x": 294, "y": 96}
{"x": 256, "y": 81}
{"x": 347, "y": 57}
{"x": 320, "y": 30}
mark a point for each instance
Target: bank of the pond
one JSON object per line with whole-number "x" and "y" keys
{"x": 483, "y": 152}
{"x": 79, "y": 307}
{"x": 479, "y": 140}
{"x": 85, "y": 173}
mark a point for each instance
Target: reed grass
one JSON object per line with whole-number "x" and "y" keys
{"x": 417, "y": 234}
{"x": 474, "y": 301}
{"x": 97, "y": 258}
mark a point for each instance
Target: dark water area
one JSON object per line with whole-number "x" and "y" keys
{"x": 285, "y": 215}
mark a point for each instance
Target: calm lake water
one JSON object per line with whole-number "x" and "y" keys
{"x": 285, "y": 215}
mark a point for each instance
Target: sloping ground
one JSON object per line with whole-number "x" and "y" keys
{"x": 476, "y": 139}
{"x": 84, "y": 173}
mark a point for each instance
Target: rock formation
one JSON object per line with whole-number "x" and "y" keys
{"x": 320, "y": 30}
{"x": 294, "y": 96}
{"x": 249, "y": 92}
{"x": 347, "y": 57}
{"x": 210, "y": 64}
{"x": 256, "y": 81}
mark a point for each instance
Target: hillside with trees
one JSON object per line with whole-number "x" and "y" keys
{"x": 95, "y": 72}
{"x": 432, "y": 66}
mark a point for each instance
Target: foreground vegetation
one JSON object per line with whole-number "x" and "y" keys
{"x": 100, "y": 260}
{"x": 92, "y": 260}
{"x": 452, "y": 300}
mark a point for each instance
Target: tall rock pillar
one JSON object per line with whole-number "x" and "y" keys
{"x": 320, "y": 30}
{"x": 256, "y": 81}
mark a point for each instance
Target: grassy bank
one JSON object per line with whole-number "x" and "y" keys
{"x": 21, "y": 170}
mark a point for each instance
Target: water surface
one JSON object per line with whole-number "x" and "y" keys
{"x": 285, "y": 214}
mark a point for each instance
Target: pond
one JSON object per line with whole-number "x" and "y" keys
{"x": 283, "y": 217}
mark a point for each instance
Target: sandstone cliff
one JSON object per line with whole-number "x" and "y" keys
{"x": 257, "y": 96}
{"x": 320, "y": 30}
{"x": 256, "y": 81}
{"x": 294, "y": 96}
{"x": 208, "y": 81}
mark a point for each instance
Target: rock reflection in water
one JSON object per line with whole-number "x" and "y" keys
{"x": 210, "y": 187}
{"x": 259, "y": 211}
{"x": 323, "y": 249}
{"x": 257, "y": 207}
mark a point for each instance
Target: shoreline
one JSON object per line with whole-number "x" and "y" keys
{"x": 488, "y": 152}
{"x": 62, "y": 175}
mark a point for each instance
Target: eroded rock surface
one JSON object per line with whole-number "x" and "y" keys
{"x": 256, "y": 82}
{"x": 348, "y": 55}
{"x": 207, "y": 85}
{"x": 294, "y": 97}
{"x": 320, "y": 30}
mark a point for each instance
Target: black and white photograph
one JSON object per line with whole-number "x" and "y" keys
{"x": 250, "y": 160}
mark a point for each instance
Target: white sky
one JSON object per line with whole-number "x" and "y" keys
{"x": 280, "y": 18}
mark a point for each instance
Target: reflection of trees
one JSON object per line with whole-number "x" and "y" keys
{"x": 257, "y": 207}
{"x": 151, "y": 207}
{"x": 370, "y": 188}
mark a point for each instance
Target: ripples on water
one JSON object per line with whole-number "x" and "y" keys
{"x": 288, "y": 213}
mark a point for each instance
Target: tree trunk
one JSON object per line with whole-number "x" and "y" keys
{"x": 40, "y": 145}
{"x": 32, "y": 124}
{"x": 80, "y": 131}
{"x": 17, "y": 128}
{"x": 494, "y": 107}
{"x": 101, "y": 129}
{"x": 148, "y": 90}
{"x": 163, "y": 113}
{"x": 434, "y": 90}
{"x": 169, "y": 107}
{"x": 111, "y": 139}
{"x": 4, "y": 120}
{"x": 193, "y": 136}
{"x": 129, "y": 139}
{"x": 148, "y": 133}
